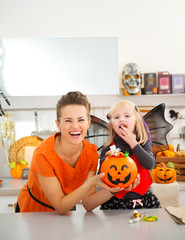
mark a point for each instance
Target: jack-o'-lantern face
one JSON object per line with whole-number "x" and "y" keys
{"x": 119, "y": 172}
{"x": 163, "y": 174}
{"x": 166, "y": 175}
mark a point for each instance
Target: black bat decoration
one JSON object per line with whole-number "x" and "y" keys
{"x": 158, "y": 128}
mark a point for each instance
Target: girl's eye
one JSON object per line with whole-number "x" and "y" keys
{"x": 81, "y": 120}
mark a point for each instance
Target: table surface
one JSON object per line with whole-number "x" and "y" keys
{"x": 11, "y": 186}
{"x": 78, "y": 225}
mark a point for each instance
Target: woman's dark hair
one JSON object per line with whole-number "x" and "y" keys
{"x": 72, "y": 98}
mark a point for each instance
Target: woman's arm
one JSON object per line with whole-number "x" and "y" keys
{"x": 64, "y": 203}
{"x": 93, "y": 199}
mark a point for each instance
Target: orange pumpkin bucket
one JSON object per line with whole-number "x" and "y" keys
{"x": 120, "y": 170}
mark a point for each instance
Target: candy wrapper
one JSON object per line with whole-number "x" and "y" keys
{"x": 136, "y": 217}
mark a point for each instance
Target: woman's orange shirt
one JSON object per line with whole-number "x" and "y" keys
{"x": 47, "y": 163}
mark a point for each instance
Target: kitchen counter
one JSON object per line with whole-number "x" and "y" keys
{"x": 11, "y": 186}
{"x": 78, "y": 225}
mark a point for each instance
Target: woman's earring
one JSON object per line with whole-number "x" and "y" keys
{"x": 59, "y": 136}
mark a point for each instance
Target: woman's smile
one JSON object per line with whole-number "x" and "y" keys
{"x": 74, "y": 123}
{"x": 75, "y": 133}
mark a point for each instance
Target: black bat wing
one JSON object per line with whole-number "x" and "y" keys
{"x": 97, "y": 132}
{"x": 158, "y": 128}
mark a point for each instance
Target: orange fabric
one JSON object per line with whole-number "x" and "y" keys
{"x": 47, "y": 163}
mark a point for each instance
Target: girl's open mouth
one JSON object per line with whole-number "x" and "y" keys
{"x": 123, "y": 125}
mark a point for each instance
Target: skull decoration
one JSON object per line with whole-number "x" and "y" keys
{"x": 132, "y": 78}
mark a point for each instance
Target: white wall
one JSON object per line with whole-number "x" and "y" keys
{"x": 150, "y": 33}
{"x": 54, "y": 66}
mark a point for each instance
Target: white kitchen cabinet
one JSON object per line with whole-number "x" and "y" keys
{"x": 9, "y": 191}
{"x": 7, "y": 203}
{"x": 182, "y": 194}
{"x": 182, "y": 198}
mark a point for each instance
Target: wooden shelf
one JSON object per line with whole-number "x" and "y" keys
{"x": 170, "y": 159}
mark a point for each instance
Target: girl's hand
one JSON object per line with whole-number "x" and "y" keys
{"x": 134, "y": 184}
{"x": 128, "y": 137}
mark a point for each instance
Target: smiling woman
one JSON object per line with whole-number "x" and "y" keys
{"x": 42, "y": 67}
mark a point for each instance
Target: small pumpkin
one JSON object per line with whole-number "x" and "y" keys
{"x": 166, "y": 153}
{"x": 169, "y": 153}
{"x": 120, "y": 170}
{"x": 163, "y": 174}
{"x": 171, "y": 148}
{"x": 16, "y": 169}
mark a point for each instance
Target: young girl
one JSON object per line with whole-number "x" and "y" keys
{"x": 128, "y": 133}
{"x": 63, "y": 167}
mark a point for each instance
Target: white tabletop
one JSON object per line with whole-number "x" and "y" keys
{"x": 78, "y": 225}
{"x": 11, "y": 186}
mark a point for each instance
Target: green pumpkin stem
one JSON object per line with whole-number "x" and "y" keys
{"x": 125, "y": 154}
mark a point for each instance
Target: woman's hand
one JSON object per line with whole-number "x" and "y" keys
{"x": 98, "y": 181}
{"x": 134, "y": 184}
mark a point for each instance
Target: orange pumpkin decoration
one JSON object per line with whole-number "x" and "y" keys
{"x": 16, "y": 171}
{"x": 120, "y": 170}
{"x": 166, "y": 153}
{"x": 163, "y": 174}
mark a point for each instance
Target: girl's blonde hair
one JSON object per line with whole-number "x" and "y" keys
{"x": 140, "y": 130}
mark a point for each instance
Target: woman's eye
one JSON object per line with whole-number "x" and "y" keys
{"x": 81, "y": 120}
{"x": 67, "y": 120}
